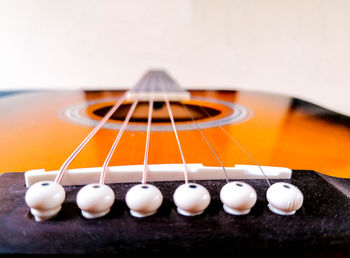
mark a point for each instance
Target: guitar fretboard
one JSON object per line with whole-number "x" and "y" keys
{"x": 157, "y": 84}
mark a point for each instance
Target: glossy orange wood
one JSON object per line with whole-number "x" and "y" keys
{"x": 34, "y": 135}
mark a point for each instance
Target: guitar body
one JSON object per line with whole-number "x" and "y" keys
{"x": 39, "y": 130}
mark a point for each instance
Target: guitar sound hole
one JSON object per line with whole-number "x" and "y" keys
{"x": 181, "y": 112}
{"x": 144, "y": 187}
{"x": 96, "y": 186}
{"x": 158, "y": 105}
{"x": 286, "y": 186}
{"x": 45, "y": 184}
{"x": 193, "y": 186}
{"x": 240, "y": 185}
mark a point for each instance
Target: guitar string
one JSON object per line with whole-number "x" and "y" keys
{"x": 111, "y": 112}
{"x": 240, "y": 146}
{"x": 120, "y": 133}
{"x": 149, "y": 122}
{"x": 116, "y": 141}
{"x": 69, "y": 160}
{"x": 207, "y": 141}
{"x": 175, "y": 132}
{"x": 87, "y": 139}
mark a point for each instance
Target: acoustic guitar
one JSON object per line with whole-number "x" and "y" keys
{"x": 162, "y": 170}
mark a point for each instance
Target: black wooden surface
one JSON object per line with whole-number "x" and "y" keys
{"x": 321, "y": 228}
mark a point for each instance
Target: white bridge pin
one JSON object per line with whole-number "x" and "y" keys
{"x": 284, "y": 198}
{"x": 45, "y": 199}
{"x": 238, "y": 198}
{"x": 95, "y": 200}
{"x": 143, "y": 200}
{"x": 191, "y": 199}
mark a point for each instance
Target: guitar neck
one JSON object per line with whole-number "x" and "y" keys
{"x": 157, "y": 85}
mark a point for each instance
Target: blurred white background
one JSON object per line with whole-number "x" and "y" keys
{"x": 294, "y": 47}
